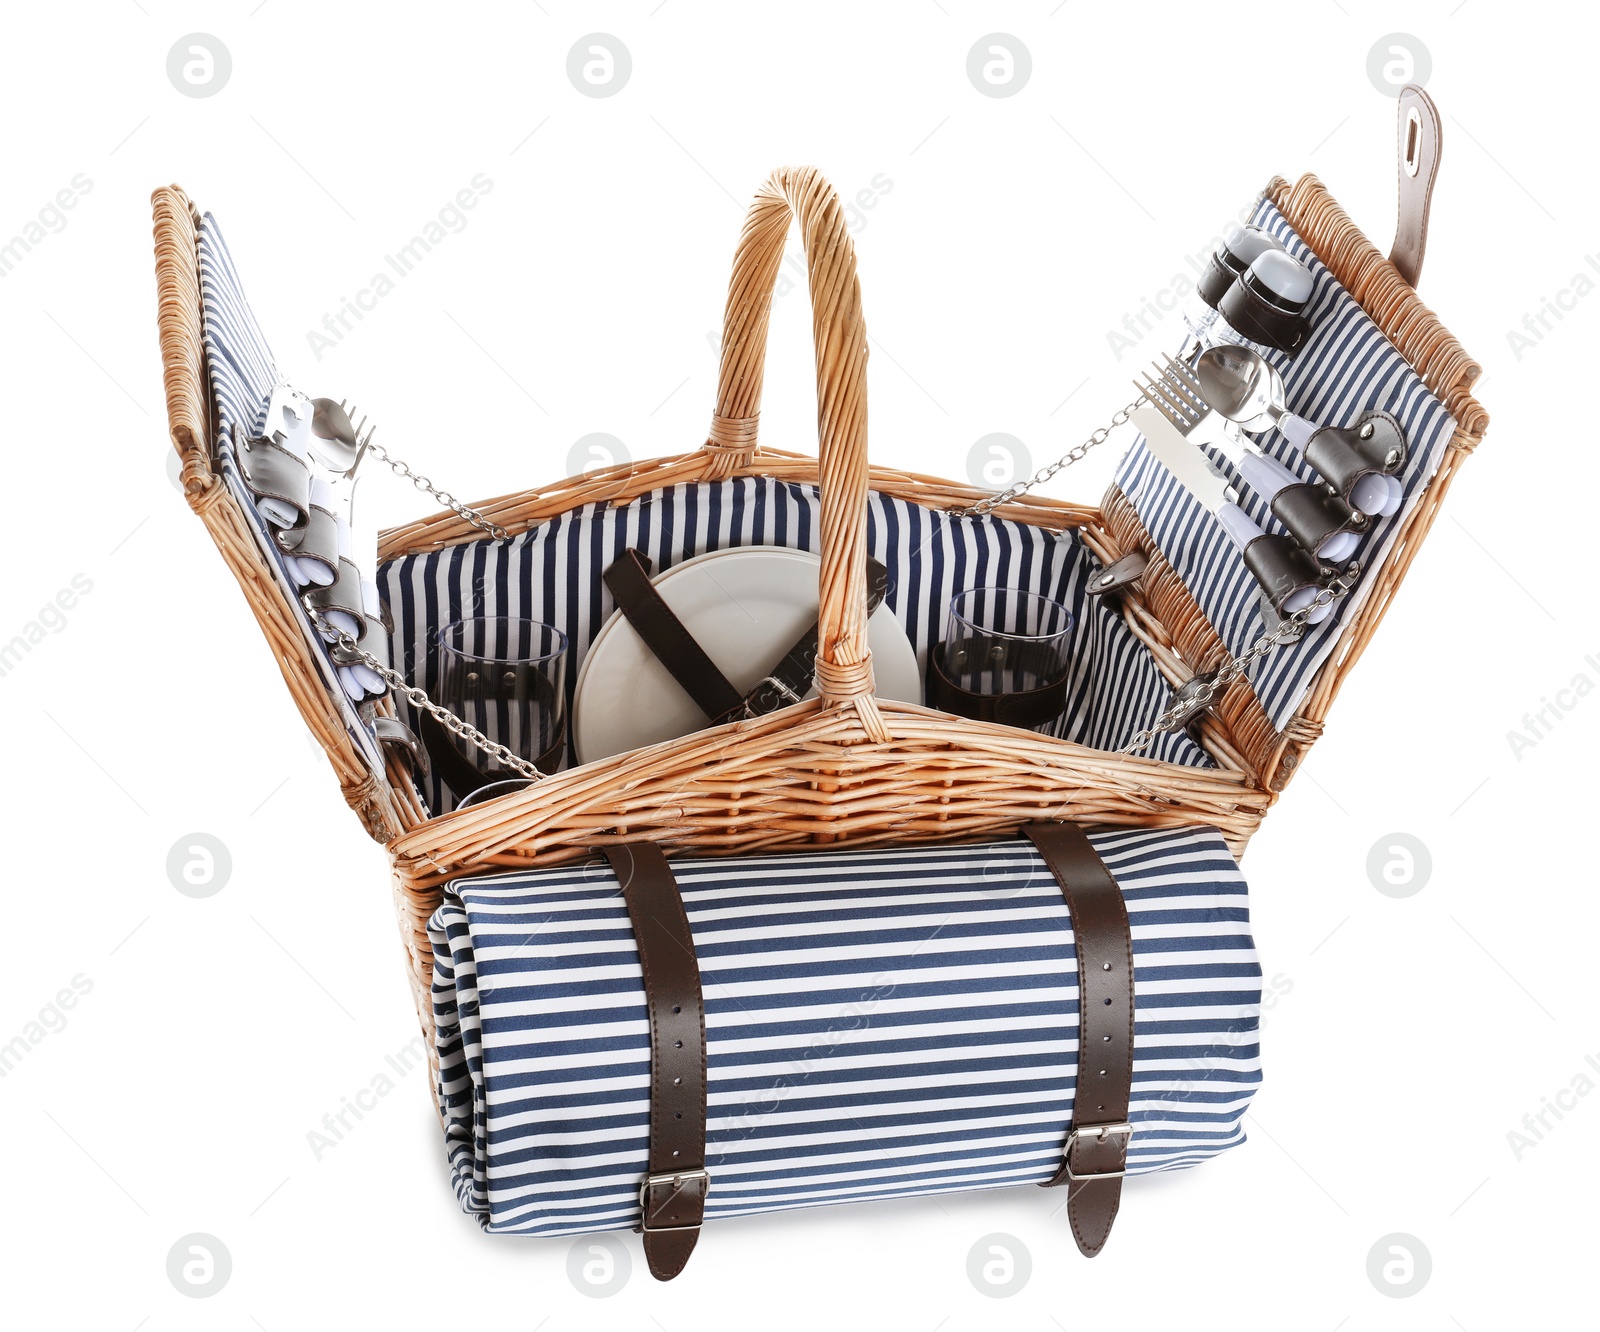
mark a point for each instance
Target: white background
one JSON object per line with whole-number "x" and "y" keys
{"x": 1409, "y": 1036}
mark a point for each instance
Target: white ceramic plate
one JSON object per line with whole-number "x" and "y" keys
{"x": 745, "y": 607}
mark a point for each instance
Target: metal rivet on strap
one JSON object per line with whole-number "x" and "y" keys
{"x": 1105, "y": 966}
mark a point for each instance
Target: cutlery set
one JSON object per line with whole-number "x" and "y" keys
{"x": 1221, "y": 388}
{"x": 1006, "y": 655}
{"x": 301, "y": 471}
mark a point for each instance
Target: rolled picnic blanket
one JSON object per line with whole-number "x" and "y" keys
{"x": 878, "y": 1023}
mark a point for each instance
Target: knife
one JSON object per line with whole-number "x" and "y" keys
{"x": 1286, "y": 572}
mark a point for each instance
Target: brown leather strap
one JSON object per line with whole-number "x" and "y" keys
{"x": 1096, "y": 1151}
{"x": 1281, "y": 567}
{"x": 1123, "y": 573}
{"x": 671, "y": 643}
{"x": 790, "y": 679}
{"x": 674, "y": 647}
{"x": 672, "y": 1196}
{"x": 1253, "y": 310}
{"x": 1342, "y": 455}
{"x": 1419, "y": 165}
{"x": 1312, "y": 513}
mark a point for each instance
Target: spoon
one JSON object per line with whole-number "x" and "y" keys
{"x": 1241, "y": 385}
{"x": 338, "y": 442}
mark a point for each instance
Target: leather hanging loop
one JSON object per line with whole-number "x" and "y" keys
{"x": 1119, "y": 575}
{"x": 1095, "y": 1157}
{"x": 1419, "y": 148}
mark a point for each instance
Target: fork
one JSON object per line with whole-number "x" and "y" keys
{"x": 1174, "y": 391}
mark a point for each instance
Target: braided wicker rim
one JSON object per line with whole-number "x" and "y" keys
{"x": 845, "y": 767}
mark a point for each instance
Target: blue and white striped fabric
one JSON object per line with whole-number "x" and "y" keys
{"x": 878, "y": 1023}
{"x": 243, "y": 375}
{"x": 243, "y": 372}
{"x": 553, "y": 573}
{"x": 1346, "y": 367}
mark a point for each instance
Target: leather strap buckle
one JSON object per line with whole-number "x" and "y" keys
{"x": 753, "y": 699}
{"x": 675, "y": 1180}
{"x": 1106, "y": 1003}
{"x": 671, "y": 643}
{"x": 1100, "y": 1132}
{"x": 672, "y": 1194}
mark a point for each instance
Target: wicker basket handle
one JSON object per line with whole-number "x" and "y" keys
{"x": 844, "y": 666}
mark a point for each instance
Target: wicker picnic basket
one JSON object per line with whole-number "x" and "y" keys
{"x": 845, "y": 767}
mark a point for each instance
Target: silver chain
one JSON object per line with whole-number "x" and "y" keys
{"x": 364, "y": 442}
{"x": 419, "y": 698}
{"x": 443, "y": 496}
{"x": 1075, "y": 454}
{"x": 1288, "y": 629}
{"x": 348, "y": 645}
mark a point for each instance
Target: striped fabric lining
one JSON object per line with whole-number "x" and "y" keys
{"x": 879, "y": 1024}
{"x": 553, "y": 574}
{"x": 243, "y": 370}
{"x": 1346, "y": 367}
{"x": 243, "y": 375}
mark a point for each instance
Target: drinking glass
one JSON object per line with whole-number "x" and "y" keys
{"x": 999, "y": 640}
{"x": 507, "y": 677}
